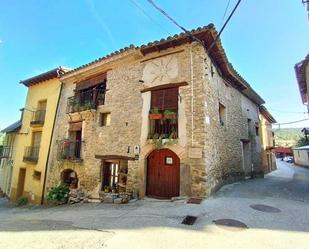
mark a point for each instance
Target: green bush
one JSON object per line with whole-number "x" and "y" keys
{"x": 58, "y": 194}
{"x": 22, "y": 201}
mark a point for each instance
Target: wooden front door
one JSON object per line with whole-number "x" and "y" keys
{"x": 163, "y": 174}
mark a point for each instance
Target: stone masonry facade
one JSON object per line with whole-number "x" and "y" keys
{"x": 211, "y": 152}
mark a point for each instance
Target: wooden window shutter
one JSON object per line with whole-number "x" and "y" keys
{"x": 157, "y": 99}
{"x": 165, "y": 98}
{"x": 171, "y": 98}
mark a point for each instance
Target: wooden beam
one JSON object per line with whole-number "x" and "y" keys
{"x": 165, "y": 86}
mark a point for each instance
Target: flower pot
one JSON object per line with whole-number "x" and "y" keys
{"x": 155, "y": 116}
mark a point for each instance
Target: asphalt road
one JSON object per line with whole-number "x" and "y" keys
{"x": 157, "y": 224}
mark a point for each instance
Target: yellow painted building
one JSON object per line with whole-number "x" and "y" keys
{"x": 33, "y": 143}
{"x": 267, "y": 140}
{"x": 7, "y": 153}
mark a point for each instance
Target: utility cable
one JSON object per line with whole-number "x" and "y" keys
{"x": 283, "y": 111}
{"x": 292, "y": 122}
{"x": 134, "y": 3}
{"x": 227, "y": 6}
{"x": 224, "y": 25}
{"x": 176, "y": 23}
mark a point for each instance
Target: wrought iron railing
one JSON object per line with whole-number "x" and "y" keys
{"x": 4, "y": 151}
{"x": 38, "y": 117}
{"x": 87, "y": 100}
{"x": 69, "y": 150}
{"x": 31, "y": 154}
{"x": 163, "y": 128}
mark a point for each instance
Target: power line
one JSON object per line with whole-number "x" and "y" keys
{"x": 227, "y": 6}
{"x": 224, "y": 25}
{"x": 292, "y": 122}
{"x": 148, "y": 16}
{"x": 176, "y": 23}
{"x": 283, "y": 111}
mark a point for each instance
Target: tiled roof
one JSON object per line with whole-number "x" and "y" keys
{"x": 54, "y": 73}
{"x": 207, "y": 34}
{"x": 267, "y": 114}
{"x": 300, "y": 71}
{"x": 13, "y": 127}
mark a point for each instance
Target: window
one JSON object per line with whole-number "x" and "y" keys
{"x": 308, "y": 154}
{"x": 165, "y": 99}
{"x": 222, "y": 114}
{"x": 256, "y": 130}
{"x": 37, "y": 175}
{"x": 114, "y": 175}
{"x": 249, "y": 127}
{"x": 163, "y": 114}
{"x": 105, "y": 119}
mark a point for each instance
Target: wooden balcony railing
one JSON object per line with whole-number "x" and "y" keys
{"x": 87, "y": 100}
{"x": 69, "y": 150}
{"x": 4, "y": 151}
{"x": 38, "y": 117}
{"x": 31, "y": 154}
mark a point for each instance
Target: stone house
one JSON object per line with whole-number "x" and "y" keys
{"x": 267, "y": 140}
{"x": 164, "y": 119}
{"x": 302, "y": 76}
{"x": 33, "y": 139}
{"x": 7, "y": 153}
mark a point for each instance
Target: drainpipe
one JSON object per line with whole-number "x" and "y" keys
{"x": 50, "y": 142}
{"x": 192, "y": 97}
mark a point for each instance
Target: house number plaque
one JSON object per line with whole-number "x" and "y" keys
{"x": 168, "y": 160}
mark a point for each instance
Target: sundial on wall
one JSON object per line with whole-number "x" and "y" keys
{"x": 160, "y": 71}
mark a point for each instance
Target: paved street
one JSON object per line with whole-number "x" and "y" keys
{"x": 157, "y": 224}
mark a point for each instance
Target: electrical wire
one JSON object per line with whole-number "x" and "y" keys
{"x": 134, "y": 3}
{"x": 224, "y": 25}
{"x": 176, "y": 23}
{"x": 283, "y": 111}
{"x": 227, "y": 6}
{"x": 292, "y": 122}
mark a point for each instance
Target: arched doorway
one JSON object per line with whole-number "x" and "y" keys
{"x": 69, "y": 177}
{"x": 163, "y": 174}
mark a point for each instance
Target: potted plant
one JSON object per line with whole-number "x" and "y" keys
{"x": 155, "y": 113}
{"x": 169, "y": 114}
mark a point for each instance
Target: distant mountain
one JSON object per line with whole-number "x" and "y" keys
{"x": 287, "y": 137}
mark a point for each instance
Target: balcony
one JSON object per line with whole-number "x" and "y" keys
{"x": 31, "y": 154}
{"x": 69, "y": 150}
{"x": 87, "y": 100}
{"x": 4, "y": 151}
{"x": 163, "y": 124}
{"x": 38, "y": 118}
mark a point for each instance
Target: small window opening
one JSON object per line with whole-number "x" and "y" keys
{"x": 222, "y": 114}
{"x": 105, "y": 119}
{"x": 37, "y": 175}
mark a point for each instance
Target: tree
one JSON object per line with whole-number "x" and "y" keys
{"x": 302, "y": 142}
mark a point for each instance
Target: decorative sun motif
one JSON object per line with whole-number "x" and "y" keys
{"x": 161, "y": 70}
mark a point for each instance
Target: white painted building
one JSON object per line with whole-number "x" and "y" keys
{"x": 301, "y": 155}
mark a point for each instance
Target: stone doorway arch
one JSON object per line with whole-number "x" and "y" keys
{"x": 163, "y": 174}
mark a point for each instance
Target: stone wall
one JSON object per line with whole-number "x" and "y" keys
{"x": 210, "y": 153}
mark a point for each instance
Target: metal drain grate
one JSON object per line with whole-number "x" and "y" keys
{"x": 265, "y": 208}
{"x": 189, "y": 220}
{"x": 230, "y": 224}
{"x": 195, "y": 200}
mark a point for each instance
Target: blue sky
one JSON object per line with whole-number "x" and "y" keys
{"x": 263, "y": 41}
